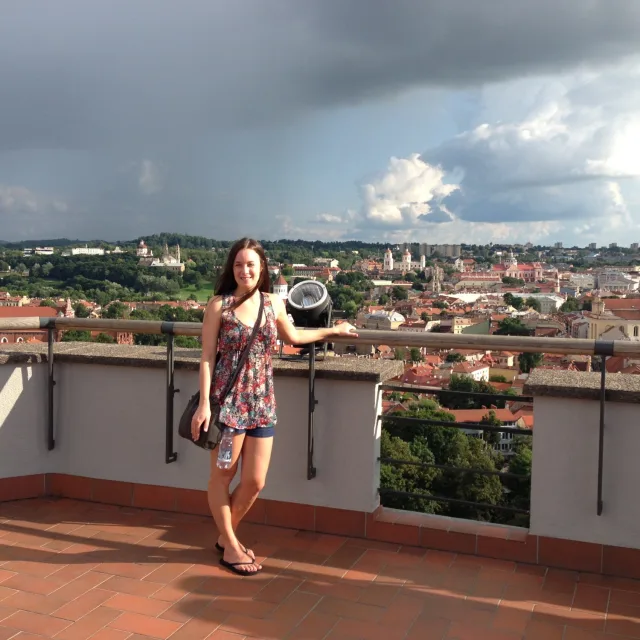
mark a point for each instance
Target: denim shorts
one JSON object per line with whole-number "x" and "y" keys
{"x": 258, "y": 432}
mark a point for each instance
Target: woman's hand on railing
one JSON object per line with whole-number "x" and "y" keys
{"x": 342, "y": 329}
{"x": 200, "y": 420}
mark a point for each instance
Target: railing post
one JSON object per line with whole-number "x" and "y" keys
{"x": 170, "y": 455}
{"x": 311, "y": 470}
{"x": 51, "y": 442}
{"x": 602, "y": 349}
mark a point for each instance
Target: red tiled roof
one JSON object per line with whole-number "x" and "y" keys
{"x": 28, "y": 312}
{"x": 476, "y": 415}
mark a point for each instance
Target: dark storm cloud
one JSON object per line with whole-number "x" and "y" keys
{"x": 146, "y": 73}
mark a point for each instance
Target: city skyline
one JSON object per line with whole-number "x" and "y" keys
{"x": 324, "y": 120}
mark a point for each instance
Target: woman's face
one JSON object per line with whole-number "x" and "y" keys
{"x": 247, "y": 269}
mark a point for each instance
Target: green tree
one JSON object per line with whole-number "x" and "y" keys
{"x": 104, "y": 338}
{"x": 467, "y": 385}
{"x": 570, "y": 306}
{"x": 519, "y": 489}
{"x": 398, "y": 293}
{"x": 189, "y": 342}
{"x": 415, "y": 355}
{"x": 533, "y": 303}
{"x": 529, "y": 361}
{"x": 76, "y": 336}
{"x": 454, "y": 356}
{"x": 491, "y": 437}
{"x": 81, "y": 310}
{"x": 116, "y": 310}
{"x": 512, "y": 327}
{"x": 409, "y": 478}
{"x": 354, "y": 279}
{"x": 48, "y": 303}
{"x": 450, "y": 447}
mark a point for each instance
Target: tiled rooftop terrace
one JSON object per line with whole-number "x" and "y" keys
{"x": 74, "y": 570}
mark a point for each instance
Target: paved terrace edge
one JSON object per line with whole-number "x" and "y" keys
{"x": 333, "y": 368}
{"x": 578, "y": 385}
{"x": 383, "y": 527}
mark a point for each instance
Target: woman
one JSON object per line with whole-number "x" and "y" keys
{"x": 250, "y": 406}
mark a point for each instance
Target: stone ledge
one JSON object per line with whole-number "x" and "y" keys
{"x": 582, "y": 386}
{"x": 333, "y": 368}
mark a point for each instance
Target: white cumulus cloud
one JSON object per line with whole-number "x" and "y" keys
{"x": 411, "y": 190}
{"x": 566, "y": 166}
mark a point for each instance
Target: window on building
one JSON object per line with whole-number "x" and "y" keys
{"x": 635, "y": 331}
{"x": 20, "y": 340}
{"x": 3, "y": 340}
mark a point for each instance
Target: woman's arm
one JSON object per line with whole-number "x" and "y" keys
{"x": 291, "y": 335}
{"x": 210, "y": 331}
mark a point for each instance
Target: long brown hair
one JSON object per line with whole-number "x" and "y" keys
{"x": 227, "y": 281}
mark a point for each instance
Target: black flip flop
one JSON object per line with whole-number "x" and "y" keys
{"x": 232, "y": 567}
{"x": 220, "y": 548}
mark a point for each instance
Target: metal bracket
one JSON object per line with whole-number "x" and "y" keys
{"x": 51, "y": 442}
{"x": 603, "y": 393}
{"x": 170, "y": 455}
{"x": 603, "y": 348}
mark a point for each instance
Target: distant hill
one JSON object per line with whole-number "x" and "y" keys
{"x": 201, "y": 242}
{"x": 59, "y": 242}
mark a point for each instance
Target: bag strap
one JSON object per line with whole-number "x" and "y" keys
{"x": 245, "y": 352}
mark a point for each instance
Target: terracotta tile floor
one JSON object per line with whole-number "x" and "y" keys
{"x": 72, "y": 570}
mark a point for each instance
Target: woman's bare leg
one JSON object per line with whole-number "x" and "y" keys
{"x": 256, "y": 455}
{"x": 220, "y": 506}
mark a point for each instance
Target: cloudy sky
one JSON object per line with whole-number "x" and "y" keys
{"x": 423, "y": 120}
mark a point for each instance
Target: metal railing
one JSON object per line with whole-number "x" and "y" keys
{"x": 399, "y": 421}
{"x": 520, "y": 344}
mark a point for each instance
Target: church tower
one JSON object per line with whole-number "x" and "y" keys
{"x": 406, "y": 260}
{"x": 281, "y": 288}
{"x": 68, "y": 310}
{"x": 597, "y": 306}
{"x": 388, "y": 260}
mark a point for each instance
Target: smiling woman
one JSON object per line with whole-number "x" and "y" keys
{"x": 248, "y": 411}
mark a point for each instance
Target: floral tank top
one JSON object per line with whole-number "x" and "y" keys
{"x": 251, "y": 403}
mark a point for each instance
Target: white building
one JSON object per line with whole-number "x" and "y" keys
{"x": 549, "y": 303}
{"x": 613, "y": 280}
{"x": 38, "y": 251}
{"x": 87, "y": 251}
{"x": 582, "y": 280}
{"x": 326, "y": 262}
{"x": 617, "y": 323}
{"x": 382, "y": 319}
